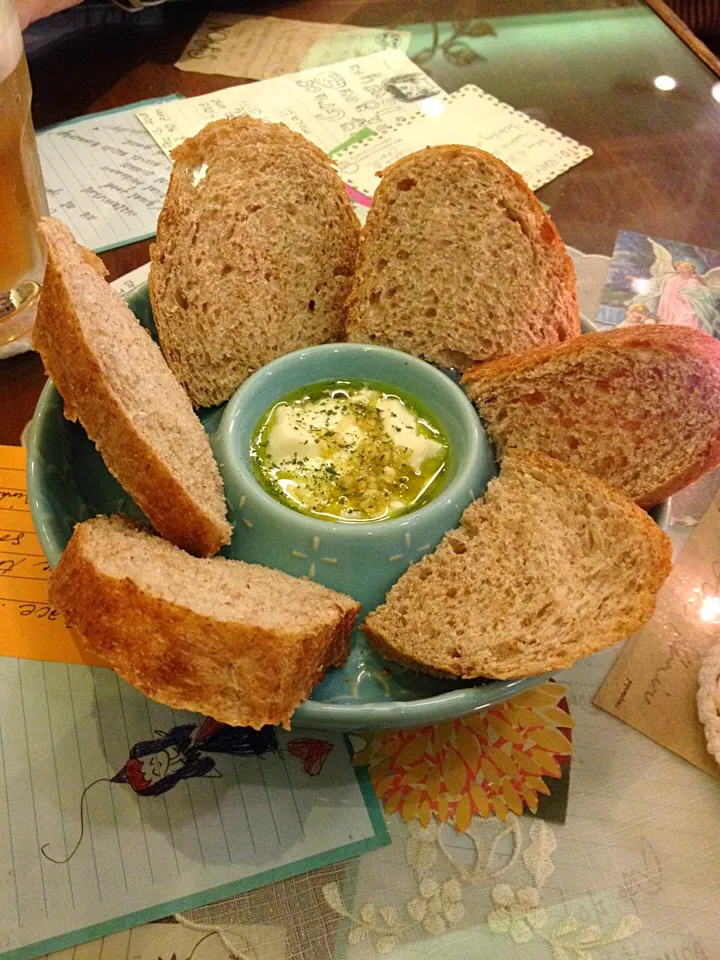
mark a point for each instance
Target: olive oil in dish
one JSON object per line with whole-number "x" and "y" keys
{"x": 350, "y": 451}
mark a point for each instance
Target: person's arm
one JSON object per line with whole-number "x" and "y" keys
{"x": 31, "y": 10}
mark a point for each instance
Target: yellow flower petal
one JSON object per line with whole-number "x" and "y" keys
{"x": 443, "y": 808}
{"x": 387, "y": 745}
{"x": 526, "y": 763}
{"x": 468, "y": 747}
{"x": 504, "y": 730}
{"x": 424, "y": 813}
{"x": 557, "y": 717}
{"x": 411, "y": 806}
{"x": 479, "y": 797}
{"x": 529, "y": 796}
{"x": 412, "y": 751}
{"x": 547, "y": 761}
{"x": 478, "y": 722}
{"x": 540, "y": 696}
{"x": 523, "y": 717}
{"x": 489, "y": 772}
{"x": 382, "y": 786}
{"x": 502, "y": 761}
{"x": 553, "y": 740}
{"x": 379, "y": 770}
{"x": 538, "y": 784}
{"x": 416, "y": 775}
{"x": 432, "y": 787}
{"x": 499, "y": 806}
{"x": 463, "y": 814}
{"x": 454, "y": 772}
{"x": 511, "y": 798}
{"x": 443, "y": 732}
{"x": 392, "y": 803}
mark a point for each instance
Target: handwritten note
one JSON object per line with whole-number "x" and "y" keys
{"x": 472, "y": 117}
{"x": 326, "y": 104}
{"x": 263, "y": 47}
{"x": 653, "y": 685}
{"x": 115, "y": 810}
{"x": 31, "y": 627}
{"x": 105, "y": 177}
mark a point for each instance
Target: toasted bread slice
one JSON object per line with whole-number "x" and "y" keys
{"x": 114, "y": 380}
{"x": 237, "y": 641}
{"x": 639, "y": 406}
{"x": 549, "y": 566}
{"x": 255, "y": 250}
{"x": 459, "y": 262}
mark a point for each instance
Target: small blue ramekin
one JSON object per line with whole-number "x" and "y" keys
{"x": 361, "y": 559}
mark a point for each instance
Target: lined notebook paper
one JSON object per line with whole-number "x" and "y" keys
{"x": 469, "y": 116}
{"x": 325, "y": 104}
{"x": 105, "y": 177}
{"x": 115, "y": 810}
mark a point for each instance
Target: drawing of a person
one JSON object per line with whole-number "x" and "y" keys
{"x": 156, "y": 766}
{"x": 637, "y": 316}
{"x": 678, "y": 295}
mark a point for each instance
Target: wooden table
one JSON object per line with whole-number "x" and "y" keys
{"x": 585, "y": 67}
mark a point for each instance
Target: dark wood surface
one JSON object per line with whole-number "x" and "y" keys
{"x": 585, "y": 67}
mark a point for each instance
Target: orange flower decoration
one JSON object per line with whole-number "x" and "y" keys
{"x": 484, "y": 764}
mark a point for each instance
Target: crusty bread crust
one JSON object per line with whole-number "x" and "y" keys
{"x": 255, "y": 250}
{"x": 234, "y": 673}
{"x": 482, "y": 331}
{"x": 664, "y": 342}
{"x": 393, "y": 636}
{"x": 70, "y": 357}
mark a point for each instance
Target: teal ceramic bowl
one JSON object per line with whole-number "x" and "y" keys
{"x": 68, "y": 482}
{"x": 361, "y": 559}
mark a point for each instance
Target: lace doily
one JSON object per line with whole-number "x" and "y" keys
{"x": 708, "y": 700}
{"x": 515, "y": 910}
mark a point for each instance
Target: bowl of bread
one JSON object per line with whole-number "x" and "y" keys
{"x": 263, "y": 493}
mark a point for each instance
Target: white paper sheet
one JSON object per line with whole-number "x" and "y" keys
{"x": 471, "y": 117}
{"x": 261, "y": 47}
{"x": 129, "y": 282}
{"x": 326, "y": 104}
{"x": 105, "y": 177}
{"x": 166, "y": 812}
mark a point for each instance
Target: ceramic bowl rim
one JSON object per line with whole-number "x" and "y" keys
{"x": 458, "y": 484}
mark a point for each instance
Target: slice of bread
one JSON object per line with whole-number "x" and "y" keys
{"x": 114, "y": 380}
{"x": 237, "y": 641}
{"x": 639, "y": 406}
{"x": 255, "y": 251}
{"x": 459, "y": 262}
{"x": 549, "y": 566}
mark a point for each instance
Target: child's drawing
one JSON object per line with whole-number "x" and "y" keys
{"x": 156, "y": 766}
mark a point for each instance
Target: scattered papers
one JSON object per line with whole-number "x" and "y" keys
{"x": 105, "y": 177}
{"x": 261, "y": 47}
{"x": 471, "y": 117}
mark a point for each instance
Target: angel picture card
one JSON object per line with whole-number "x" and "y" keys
{"x": 651, "y": 280}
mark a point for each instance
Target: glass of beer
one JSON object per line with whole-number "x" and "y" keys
{"x": 22, "y": 194}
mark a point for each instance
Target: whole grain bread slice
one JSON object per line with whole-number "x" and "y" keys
{"x": 114, "y": 380}
{"x": 234, "y": 640}
{"x": 255, "y": 250}
{"x": 459, "y": 262}
{"x": 639, "y": 406}
{"x": 549, "y": 566}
